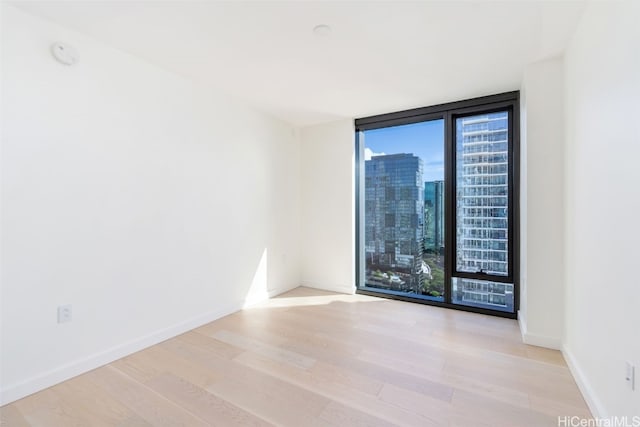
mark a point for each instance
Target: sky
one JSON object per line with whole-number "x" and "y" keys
{"x": 424, "y": 139}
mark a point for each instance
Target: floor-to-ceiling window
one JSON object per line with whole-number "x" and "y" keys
{"x": 436, "y": 204}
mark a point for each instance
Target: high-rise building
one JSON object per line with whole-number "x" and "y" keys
{"x": 482, "y": 208}
{"x": 434, "y": 216}
{"x": 394, "y": 210}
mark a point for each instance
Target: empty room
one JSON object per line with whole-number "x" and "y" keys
{"x": 319, "y": 213}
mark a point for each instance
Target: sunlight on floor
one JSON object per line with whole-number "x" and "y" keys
{"x": 312, "y": 297}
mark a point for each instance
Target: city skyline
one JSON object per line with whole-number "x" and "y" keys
{"x": 404, "y": 209}
{"x": 424, "y": 140}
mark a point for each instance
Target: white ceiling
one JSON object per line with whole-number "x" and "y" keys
{"x": 380, "y": 56}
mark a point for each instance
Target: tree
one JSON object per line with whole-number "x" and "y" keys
{"x": 435, "y": 286}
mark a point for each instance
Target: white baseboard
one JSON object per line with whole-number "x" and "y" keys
{"x": 594, "y": 404}
{"x": 522, "y": 323}
{"x": 62, "y": 373}
{"x": 75, "y": 368}
{"x": 535, "y": 339}
{"x": 342, "y": 289}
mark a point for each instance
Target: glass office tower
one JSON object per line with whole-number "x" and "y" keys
{"x": 434, "y": 216}
{"x": 394, "y": 216}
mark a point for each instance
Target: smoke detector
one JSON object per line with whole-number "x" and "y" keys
{"x": 64, "y": 53}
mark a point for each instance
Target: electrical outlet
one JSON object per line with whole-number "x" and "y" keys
{"x": 64, "y": 313}
{"x": 630, "y": 377}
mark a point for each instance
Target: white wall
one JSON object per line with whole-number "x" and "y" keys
{"x": 602, "y": 205}
{"x": 328, "y": 199}
{"x": 542, "y": 204}
{"x": 150, "y": 205}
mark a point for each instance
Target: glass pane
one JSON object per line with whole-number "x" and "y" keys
{"x": 404, "y": 210}
{"x": 482, "y": 293}
{"x": 482, "y": 194}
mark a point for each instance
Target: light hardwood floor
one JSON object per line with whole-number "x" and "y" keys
{"x": 313, "y": 358}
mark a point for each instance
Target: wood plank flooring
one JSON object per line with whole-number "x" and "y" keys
{"x": 314, "y": 358}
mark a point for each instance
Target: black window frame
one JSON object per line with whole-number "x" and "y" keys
{"x": 449, "y": 112}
